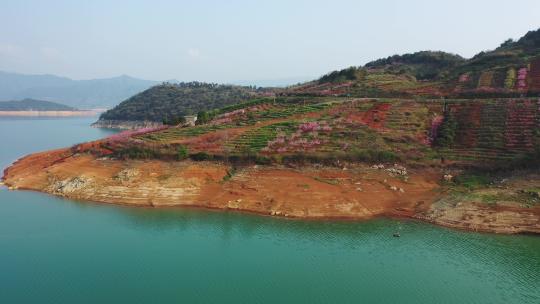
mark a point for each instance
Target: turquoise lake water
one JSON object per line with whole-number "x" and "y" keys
{"x": 59, "y": 251}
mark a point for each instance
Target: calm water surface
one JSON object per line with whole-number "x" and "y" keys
{"x": 59, "y": 251}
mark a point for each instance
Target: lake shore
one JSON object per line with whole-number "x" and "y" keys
{"x": 312, "y": 192}
{"x": 81, "y": 113}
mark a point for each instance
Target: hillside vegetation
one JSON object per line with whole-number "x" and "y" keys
{"x": 170, "y": 101}
{"x": 424, "y": 65}
{"x": 511, "y": 70}
{"x": 326, "y": 129}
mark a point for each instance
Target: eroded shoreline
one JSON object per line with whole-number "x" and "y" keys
{"x": 356, "y": 192}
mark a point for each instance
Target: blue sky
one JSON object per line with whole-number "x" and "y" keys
{"x": 225, "y": 41}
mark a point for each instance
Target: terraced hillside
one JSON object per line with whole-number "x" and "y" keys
{"x": 511, "y": 70}
{"x": 494, "y": 129}
{"x": 457, "y": 163}
{"x": 356, "y": 129}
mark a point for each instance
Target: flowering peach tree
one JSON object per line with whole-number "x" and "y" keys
{"x": 306, "y": 137}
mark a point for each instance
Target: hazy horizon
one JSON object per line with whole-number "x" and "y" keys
{"x": 260, "y": 82}
{"x": 241, "y": 41}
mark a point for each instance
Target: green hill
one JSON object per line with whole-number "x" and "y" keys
{"x": 169, "y": 101}
{"x": 510, "y": 70}
{"x": 33, "y": 105}
{"x": 424, "y": 65}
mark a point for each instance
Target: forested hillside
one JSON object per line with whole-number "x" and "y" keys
{"x": 510, "y": 70}
{"x": 169, "y": 101}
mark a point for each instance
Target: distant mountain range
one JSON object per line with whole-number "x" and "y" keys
{"x": 94, "y": 93}
{"x": 84, "y": 94}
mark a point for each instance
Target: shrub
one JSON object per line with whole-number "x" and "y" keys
{"x": 182, "y": 152}
{"x": 447, "y": 131}
{"x": 178, "y": 120}
{"x": 262, "y": 160}
{"x": 230, "y": 174}
{"x": 472, "y": 181}
{"x": 371, "y": 156}
{"x": 202, "y": 117}
{"x": 200, "y": 156}
{"x": 135, "y": 152}
{"x": 340, "y": 76}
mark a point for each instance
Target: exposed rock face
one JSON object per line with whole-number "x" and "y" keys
{"x": 360, "y": 192}
{"x": 510, "y": 205}
{"x": 125, "y": 124}
{"x": 322, "y": 192}
{"x": 67, "y": 186}
{"x": 478, "y": 217}
{"x": 127, "y": 175}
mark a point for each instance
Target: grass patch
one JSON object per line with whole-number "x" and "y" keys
{"x": 372, "y": 156}
{"x": 490, "y": 199}
{"x": 230, "y": 173}
{"x": 182, "y": 152}
{"x": 472, "y": 181}
{"x": 135, "y": 152}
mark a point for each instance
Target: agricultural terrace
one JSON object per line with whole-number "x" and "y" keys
{"x": 354, "y": 129}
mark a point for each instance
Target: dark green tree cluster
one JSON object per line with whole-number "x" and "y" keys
{"x": 446, "y": 134}
{"x": 204, "y": 117}
{"x": 135, "y": 152}
{"x": 423, "y": 65}
{"x": 510, "y": 54}
{"x": 178, "y": 120}
{"x": 340, "y": 76}
{"x": 530, "y": 40}
{"x": 168, "y": 102}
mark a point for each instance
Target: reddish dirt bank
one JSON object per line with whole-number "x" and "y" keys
{"x": 355, "y": 192}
